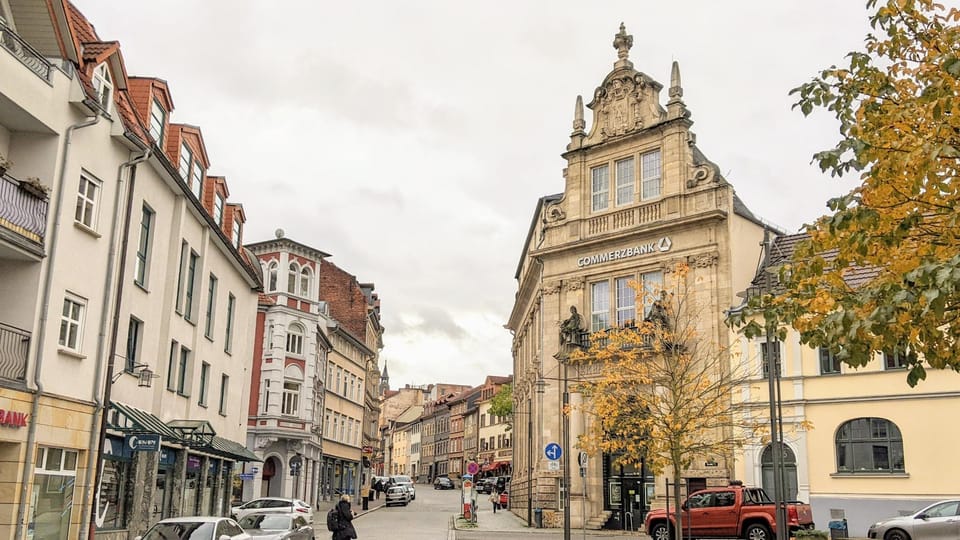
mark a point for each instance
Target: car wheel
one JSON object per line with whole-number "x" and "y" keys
{"x": 661, "y": 531}
{"x": 757, "y": 531}
{"x": 896, "y": 534}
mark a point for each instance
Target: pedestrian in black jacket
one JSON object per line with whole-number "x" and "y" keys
{"x": 346, "y": 530}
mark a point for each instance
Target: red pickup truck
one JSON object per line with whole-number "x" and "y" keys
{"x": 730, "y": 512}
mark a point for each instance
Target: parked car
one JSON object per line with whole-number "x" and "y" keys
{"x": 397, "y": 495}
{"x": 939, "y": 520}
{"x": 486, "y": 485}
{"x": 276, "y": 527}
{"x": 274, "y": 505}
{"x": 195, "y": 528}
{"x": 442, "y": 482}
{"x": 405, "y": 481}
{"x": 747, "y": 513}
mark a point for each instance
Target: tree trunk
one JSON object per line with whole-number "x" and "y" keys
{"x": 678, "y": 530}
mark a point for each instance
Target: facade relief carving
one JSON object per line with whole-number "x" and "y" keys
{"x": 551, "y": 287}
{"x": 703, "y": 260}
{"x": 555, "y": 213}
{"x": 573, "y": 285}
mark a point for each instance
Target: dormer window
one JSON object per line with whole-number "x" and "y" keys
{"x": 196, "y": 180}
{"x": 218, "y": 209}
{"x": 103, "y": 85}
{"x": 186, "y": 158}
{"x": 157, "y": 118}
{"x": 236, "y": 232}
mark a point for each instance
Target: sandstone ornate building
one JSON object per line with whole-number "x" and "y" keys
{"x": 638, "y": 197}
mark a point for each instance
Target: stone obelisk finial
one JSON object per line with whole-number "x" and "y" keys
{"x": 675, "y": 106}
{"x": 578, "y": 123}
{"x": 622, "y": 43}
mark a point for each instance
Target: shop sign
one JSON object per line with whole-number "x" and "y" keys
{"x": 143, "y": 442}
{"x": 193, "y": 462}
{"x": 13, "y": 419}
{"x": 657, "y": 246}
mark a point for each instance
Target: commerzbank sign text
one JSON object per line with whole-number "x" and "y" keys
{"x": 657, "y": 246}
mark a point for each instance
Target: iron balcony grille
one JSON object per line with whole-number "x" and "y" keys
{"x": 23, "y": 52}
{"x": 14, "y": 346}
{"x": 23, "y": 210}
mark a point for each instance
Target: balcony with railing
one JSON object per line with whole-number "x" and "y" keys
{"x": 27, "y": 55}
{"x": 23, "y": 218}
{"x": 14, "y": 345}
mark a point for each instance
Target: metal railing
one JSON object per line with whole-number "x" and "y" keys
{"x": 14, "y": 345}
{"x": 23, "y": 210}
{"x": 26, "y": 54}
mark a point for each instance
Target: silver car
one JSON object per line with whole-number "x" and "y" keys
{"x": 397, "y": 495}
{"x": 939, "y": 521}
{"x": 405, "y": 481}
{"x": 195, "y": 528}
{"x": 276, "y": 527}
{"x": 273, "y": 505}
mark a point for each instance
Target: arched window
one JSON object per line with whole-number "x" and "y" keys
{"x": 869, "y": 445}
{"x": 292, "y": 278}
{"x": 295, "y": 339}
{"x": 305, "y": 281}
{"x": 272, "y": 277}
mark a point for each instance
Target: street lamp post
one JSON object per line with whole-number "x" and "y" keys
{"x": 567, "y": 452}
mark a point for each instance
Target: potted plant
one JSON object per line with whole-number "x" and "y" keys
{"x": 34, "y": 186}
{"x": 4, "y": 164}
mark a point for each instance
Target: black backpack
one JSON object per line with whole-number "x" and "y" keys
{"x": 333, "y": 520}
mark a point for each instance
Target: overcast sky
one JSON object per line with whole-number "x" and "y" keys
{"x": 411, "y": 140}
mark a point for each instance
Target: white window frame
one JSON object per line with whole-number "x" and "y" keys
{"x": 196, "y": 179}
{"x": 295, "y": 335}
{"x": 236, "y": 232}
{"x": 625, "y": 187}
{"x": 600, "y": 188}
{"x": 649, "y": 178}
{"x": 158, "y": 117}
{"x": 88, "y": 201}
{"x": 103, "y": 85}
{"x": 273, "y": 277}
{"x": 185, "y": 164}
{"x": 293, "y": 275}
{"x": 306, "y": 280}
{"x": 72, "y": 321}
{"x": 625, "y": 301}
{"x": 599, "y": 306}
{"x": 218, "y": 203}
{"x": 291, "y": 398}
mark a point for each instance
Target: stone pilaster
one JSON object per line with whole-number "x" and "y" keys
{"x": 202, "y": 485}
{"x": 144, "y": 479}
{"x": 177, "y": 483}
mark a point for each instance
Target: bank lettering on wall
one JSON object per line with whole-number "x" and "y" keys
{"x": 656, "y": 246}
{"x": 13, "y": 419}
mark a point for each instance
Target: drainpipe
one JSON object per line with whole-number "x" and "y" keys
{"x": 42, "y": 322}
{"x": 101, "y": 336}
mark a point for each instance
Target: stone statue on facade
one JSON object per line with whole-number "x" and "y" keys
{"x": 659, "y": 315}
{"x": 571, "y": 327}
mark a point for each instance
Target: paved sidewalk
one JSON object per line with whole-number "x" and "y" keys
{"x": 505, "y": 521}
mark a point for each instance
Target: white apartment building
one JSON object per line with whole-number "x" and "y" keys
{"x": 124, "y": 291}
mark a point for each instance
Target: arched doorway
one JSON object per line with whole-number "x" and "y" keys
{"x": 789, "y": 460}
{"x": 272, "y": 485}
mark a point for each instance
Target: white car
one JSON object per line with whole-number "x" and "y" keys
{"x": 195, "y": 528}
{"x": 938, "y": 521}
{"x": 405, "y": 481}
{"x": 274, "y": 505}
{"x": 397, "y": 495}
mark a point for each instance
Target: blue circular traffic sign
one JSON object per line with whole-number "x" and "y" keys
{"x": 552, "y": 451}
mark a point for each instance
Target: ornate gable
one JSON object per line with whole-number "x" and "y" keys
{"x": 627, "y": 100}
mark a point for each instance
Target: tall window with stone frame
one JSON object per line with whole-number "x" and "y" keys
{"x": 183, "y": 372}
{"x": 829, "y": 363}
{"x": 272, "y": 276}
{"x": 224, "y": 390}
{"x": 291, "y": 398}
{"x": 625, "y": 181}
{"x": 295, "y": 339}
{"x": 204, "y": 383}
{"x": 228, "y": 338}
{"x": 599, "y": 305}
{"x": 134, "y": 337}
{"x": 626, "y": 298}
{"x": 651, "y": 171}
{"x": 599, "y": 188}
{"x": 305, "y": 276}
{"x": 211, "y": 307}
{"x": 190, "y": 286}
{"x": 292, "y": 273}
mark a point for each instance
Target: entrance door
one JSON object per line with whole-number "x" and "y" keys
{"x": 161, "y": 500}
{"x": 789, "y": 460}
{"x": 271, "y": 480}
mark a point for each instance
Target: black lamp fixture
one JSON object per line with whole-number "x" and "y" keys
{"x": 144, "y": 374}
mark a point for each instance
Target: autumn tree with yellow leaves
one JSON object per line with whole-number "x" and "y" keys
{"x": 664, "y": 389}
{"x": 898, "y": 107}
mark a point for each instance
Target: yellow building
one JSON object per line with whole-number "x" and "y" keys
{"x": 877, "y": 447}
{"x": 639, "y": 197}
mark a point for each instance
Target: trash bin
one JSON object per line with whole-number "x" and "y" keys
{"x": 838, "y": 529}
{"x": 538, "y": 517}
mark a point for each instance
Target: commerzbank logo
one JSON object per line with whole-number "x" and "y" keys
{"x": 656, "y": 246}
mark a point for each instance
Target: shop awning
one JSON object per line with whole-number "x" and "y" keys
{"x": 195, "y": 433}
{"x": 128, "y": 419}
{"x": 232, "y": 450}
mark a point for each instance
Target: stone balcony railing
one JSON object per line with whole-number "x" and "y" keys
{"x": 23, "y": 52}
{"x": 14, "y": 346}
{"x": 23, "y": 210}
